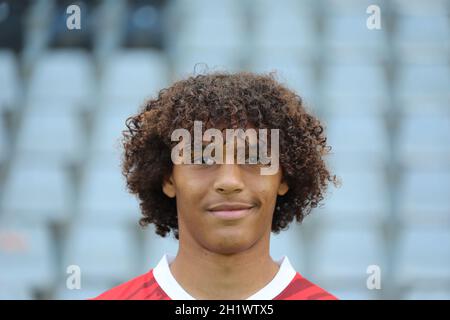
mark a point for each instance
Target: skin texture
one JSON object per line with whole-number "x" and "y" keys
{"x": 216, "y": 253}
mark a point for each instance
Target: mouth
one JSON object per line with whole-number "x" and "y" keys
{"x": 230, "y": 211}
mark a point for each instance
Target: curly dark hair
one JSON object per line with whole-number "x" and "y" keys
{"x": 239, "y": 99}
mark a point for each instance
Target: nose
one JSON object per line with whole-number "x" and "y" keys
{"x": 229, "y": 179}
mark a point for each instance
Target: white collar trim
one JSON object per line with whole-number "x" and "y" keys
{"x": 172, "y": 288}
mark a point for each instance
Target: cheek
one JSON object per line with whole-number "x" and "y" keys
{"x": 266, "y": 190}
{"x": 189, "y": 196}
{"x": 190, "y": 185}
{"x": 191, "y": 192}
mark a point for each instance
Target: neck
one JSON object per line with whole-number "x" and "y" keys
{"x": 209, "y": 275}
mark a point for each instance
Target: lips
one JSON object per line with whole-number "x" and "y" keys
{"x": 231, "y": 210}
{"x": 231, "y": 206}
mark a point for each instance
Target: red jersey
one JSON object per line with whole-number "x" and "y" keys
{"x": 159, "y": 284}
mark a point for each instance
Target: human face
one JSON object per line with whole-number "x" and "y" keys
{"x": 207, "y": 196}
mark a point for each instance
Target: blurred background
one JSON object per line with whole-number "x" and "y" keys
{"x": 383, "y": 96}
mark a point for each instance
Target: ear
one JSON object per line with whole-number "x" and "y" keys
{"x": 283, "y": 188}
{"x": 169, "y": 187}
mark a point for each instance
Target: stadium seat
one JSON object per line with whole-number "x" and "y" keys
{"x": 419, "y": 8}
{"x": 351, "y": 80}
{"x": 26, "y": 258}
{"x": 355, "y": 106}
{"x": 350, "y": 7}
{"x": 416, "y": 80}
{"x": 80, "y": 38}
{"x": 133, "y": 74}
{"x": 104, "y": 251}
{"x": 66, "y": 108}
{"x": 423, "y": 88}
{"x": 9, "y": 80}
{"x": 51, "y": 135}
{"x": 103, "y": 193}
{"x": 349, "y": 40}
{"x": 288, "y": 26}
{"x": 290, "y": 70}
{"x": 287, "y": 32}
{"x": 424, "y": 141}
{"x": 210, "y": 26}
{"x": 346, "y": 253}
{"x": 361, "y": 199}
{"x": 423, "y": 196}
{"x": 111, "y": 20}
{"x": 37, "y": 191}
{"x": 145, "y": 24}
{"x": 4, "y": 144}
{"x": 343, "y": 292}
{"x": 190, "y": 61}
{"x": 107, "y": 132}
{"x": 287, "y": 8}
{"x": 118, "y": 108}
{"x": 210, "y": 32}
{"x": 357, "y": 142}
{"x": 10, "y": 291}
{"x": 199, "y": 8}
{"x": 422, "y": 38}
{"x": 87, "y": 291}
{"x": 430, "y": 293}
{"x": 66, "y": 76}
{"x": 12, "y": 32}
{"x": 359, "y": 89}
{"x": 423, "y": 256}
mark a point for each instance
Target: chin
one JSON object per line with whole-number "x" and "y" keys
{"x": 230, "y": 242}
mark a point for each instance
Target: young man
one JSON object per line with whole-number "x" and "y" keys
{"x": 223, "y": 213}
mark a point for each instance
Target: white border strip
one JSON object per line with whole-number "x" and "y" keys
{"x": 172, "y": 288}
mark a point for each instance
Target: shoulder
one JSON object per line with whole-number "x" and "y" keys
{"x": 143, "y": 287}
{"x": 301, "y": 288}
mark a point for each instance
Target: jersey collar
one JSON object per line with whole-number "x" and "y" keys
{"x": 173, "y": 289}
